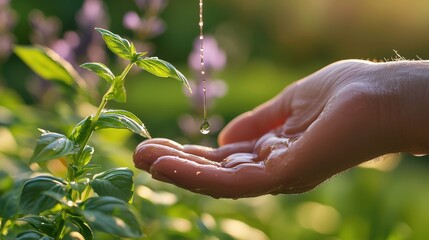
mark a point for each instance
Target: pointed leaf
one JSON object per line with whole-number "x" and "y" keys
{"x": 87, "y": 154}
{"x": 99, "y": 69}
{"x": 81, "y": 130}
{"x": 82, "y": 227}
{"x": 9, "y": 202}
{"x": 111, "y": 215}
{"x": 80, "y": 185}
{"x": 51, "y": 146}
{"x": 119, "y": 93}
{"x": 41, "y": 223}
{"x": 48, "y": 64}
{"x": 32, "y": 235}
{"x": 90, "y": 167}
{"x": 6, "y": 182}
{"x": 33, "y": 200}
{"x": 162, "y": 68}
{"x": 121, "y": 119}
{"x": 116, "y": 183}
{"x": 118, "y": 45}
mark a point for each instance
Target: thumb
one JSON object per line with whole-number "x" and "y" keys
{"x": 257, "y": 122}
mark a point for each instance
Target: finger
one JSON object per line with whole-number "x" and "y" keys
{"x": 255, "y": 123}
{"x": 219, "y": 154}
{"x": 148, "y": 152}
{"x": 244, "y": 180}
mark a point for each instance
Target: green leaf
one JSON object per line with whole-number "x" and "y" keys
{"x": 48, "y": 64}
{"x": 89, "y": 167}
{"x": 111, "y": 215}
{"x": 10, "y": 200}
{"x": 80, "y": 185}
{"x": 119, "y": 93}
{"x": 6, "y": 182}
{"x": 32, "y": 235}
{"x": 121, "y": 119}
{"x": 162, "y": 68}
{"x": 41, "y": 223}
{"x": 33, "y": 198}
{"x": 100, "y": 69}
{"x": 83, "y": 228}
{"x": 118, "y": 45}
{"x": 116, "y": 183}
{"x": 52, "y": 145}
{"x": 87, "y": 154}
{"x": 81, "y": 130}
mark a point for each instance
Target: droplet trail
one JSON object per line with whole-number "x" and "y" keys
{"x": 205, "y": 126}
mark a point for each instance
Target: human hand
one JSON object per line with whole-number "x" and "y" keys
{"x": 346, "y": 113}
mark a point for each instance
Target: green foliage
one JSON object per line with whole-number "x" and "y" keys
{"x": 162, "y": 68}
{"x": 111, "y": 215}
{"x": 41, "y": 223}
{"x": 33, "y": 198}
{"x": 52, "y": 145}
{"x": 48, "y": 64}
{"x": 32, "y": 235}
{"x": 116, "y": 183}
{"x": 100, "y": 69}
{"x": 121, "y": 119}
{"x": 55, "y": 207}
{"x": 6, "y": 182}
{"x": 118, "y": 94}
{"x": 118, "y": 45}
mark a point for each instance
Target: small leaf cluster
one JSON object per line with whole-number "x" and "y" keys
{"x": 84, "y": 202}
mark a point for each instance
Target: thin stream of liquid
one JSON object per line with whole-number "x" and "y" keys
{"x": 205, "y": 126}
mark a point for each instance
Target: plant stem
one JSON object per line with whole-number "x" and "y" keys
{"x": 102, "y": 105}
{"x": 61, "y": 226}
{"x": 71, "y": 177}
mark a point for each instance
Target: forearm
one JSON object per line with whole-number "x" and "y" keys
{"x": 406, "y": 114}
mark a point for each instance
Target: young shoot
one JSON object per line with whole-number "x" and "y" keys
{"x": 53, "y": 207}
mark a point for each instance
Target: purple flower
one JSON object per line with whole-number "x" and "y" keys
{"x": 45, "y": 29}
{"x": 92, "y": 14}
{"x": 214, "y": 57}
{"x": 7, "y": 22}
{"x": 152, "y": 5}
{"x": 132, "y": 20}
{"x": 214, "y": 60}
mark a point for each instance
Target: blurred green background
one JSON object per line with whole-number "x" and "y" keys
{"x": 268, "y": 44}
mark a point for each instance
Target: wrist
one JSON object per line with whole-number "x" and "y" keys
{"x": 405, "y": 103}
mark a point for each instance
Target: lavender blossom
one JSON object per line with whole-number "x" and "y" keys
{"x": 153, "y": 5}
{"x": 7, "y": 22}
{"x": 214, "y": 57}
{"x": 8, "y": 19}
{"x": 74, "y": 44}
{"x": 214, "y": 60}
{"x": 91, "y": 15}
{"x": 45, "y": 29}
{"x": 146, "y": 24}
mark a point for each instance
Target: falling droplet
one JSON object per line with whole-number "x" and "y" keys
{"x": 419, "y": 154}
{"x": 205, "y": 127}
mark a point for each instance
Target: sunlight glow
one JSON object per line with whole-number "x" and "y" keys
{"x": 318, "y": 217}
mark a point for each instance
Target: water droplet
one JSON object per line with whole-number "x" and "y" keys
{"x": 419, "y": 154}
{"x": 205, "y": 127}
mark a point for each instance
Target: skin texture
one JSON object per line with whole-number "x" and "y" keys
{"x": 342, "y": 115}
